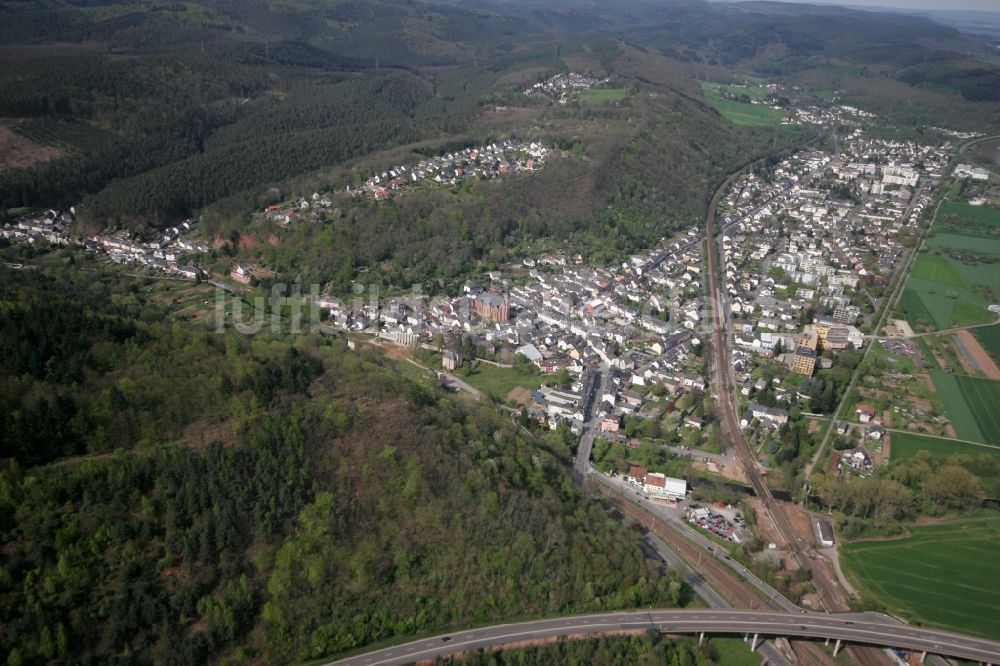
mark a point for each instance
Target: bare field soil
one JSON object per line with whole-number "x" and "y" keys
{"x": 17, "y": 151}
{"x": 983, "y": 362}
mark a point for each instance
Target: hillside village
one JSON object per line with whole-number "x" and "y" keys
{"x": 170, "y": 253}
{"x": 561, "y": 86}
{"x": 451, "y": 169}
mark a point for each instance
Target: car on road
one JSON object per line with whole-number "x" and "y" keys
{"x": 445, "y": 639}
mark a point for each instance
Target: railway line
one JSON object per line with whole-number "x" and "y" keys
{"x": 831, "y": 597}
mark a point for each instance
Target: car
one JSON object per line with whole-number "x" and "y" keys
{"x": 850, "y": 622}
{"x": 445, "y": 639}
{"x": 803, "y": 627}
{"x": 803, "y": 611}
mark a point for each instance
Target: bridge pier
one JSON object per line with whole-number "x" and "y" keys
{"x": 836, "y": 648}
{"x": 701, "y": 638}
{"x": 753, "y": 644}
{"x": 827, "y": 641}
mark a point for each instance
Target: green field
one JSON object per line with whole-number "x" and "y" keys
{"x": 498, "y": 382}
{"x": 982, "y": 215}
{"x": 935, "y": 268}
{"x": 905, "y": 445}
{"x": 970, "y": 314}
{"x": 989, "y": 338}
{"x": 928, "y": 302}
{"x": 734, "y": 651}
{"x": 914, "y": 309}
{"x": 738, "y": 112}
{"x": 972, "y": 404}
{"x": 978, "y": 243}
{"x": 941, "y": 575}
{"x": 944, "y": 292}
{"x": 603, "y": 95}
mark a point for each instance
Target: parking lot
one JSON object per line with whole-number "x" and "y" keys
{"x": 724, "y": 522}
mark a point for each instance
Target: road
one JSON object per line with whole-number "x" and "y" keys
{"x": 594, "y": 386}
{"x": 968, "y": 144}
{"x": 866, "y": 628}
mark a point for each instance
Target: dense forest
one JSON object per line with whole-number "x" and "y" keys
{"x": 202, "y": 495}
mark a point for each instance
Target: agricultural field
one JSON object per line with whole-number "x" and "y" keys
{"x": 905, "y": 445}
{"x": 972, "y": 404}
{"x": 941, "y": 575}
{"x": 977, "y": 243}
{"x": 943, "y": 292}
{"x": 970, "y": 314}
{"x": 989, "y": 338}
{"x": 740, "y": 113}
{"x": 914, "y": 309}
{"x": 928, "y": 306}
{"x": 935, "y": 268}
{"x": 949, "y": 286}
{"x": 980, "y": 215}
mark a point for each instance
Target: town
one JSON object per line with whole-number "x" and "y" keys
{"x": 453, "y": 168}
{"x": 560, "y": 86}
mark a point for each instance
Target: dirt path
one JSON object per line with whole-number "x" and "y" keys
{"x": 969, "y": 366}
{"x": 956, "y": 329}
{"x": 833, "y": 555}
{"x": 954, "y": 439}
{"x": 983, "y": 362}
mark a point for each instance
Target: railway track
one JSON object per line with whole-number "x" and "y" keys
{"x": 827, "y": 590}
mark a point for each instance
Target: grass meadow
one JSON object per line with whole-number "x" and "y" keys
{"x": 941, "y": 575}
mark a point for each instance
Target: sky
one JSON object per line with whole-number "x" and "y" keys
{"x": 950, "y": 5}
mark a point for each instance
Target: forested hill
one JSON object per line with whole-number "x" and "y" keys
{"x": 152, "y": 110}
{"x": 169, "y": 495}
{"x": 200, "y": 100}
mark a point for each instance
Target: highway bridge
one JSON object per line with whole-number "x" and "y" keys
{"x": 861, "y": 628}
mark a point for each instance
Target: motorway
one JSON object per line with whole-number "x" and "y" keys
{"x": 866, "y": 628}
{"x": 701, "y": 587}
